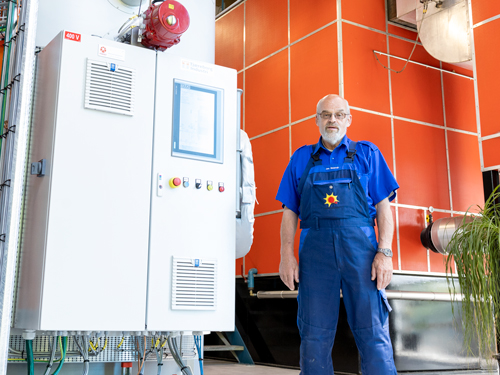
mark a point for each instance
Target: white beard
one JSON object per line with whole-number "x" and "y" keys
{"x": 332, "y": 138}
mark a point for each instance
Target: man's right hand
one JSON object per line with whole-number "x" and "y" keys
{"x": 289, "y": 270}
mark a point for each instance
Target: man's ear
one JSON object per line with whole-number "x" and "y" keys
{"x": 349, "y": 121}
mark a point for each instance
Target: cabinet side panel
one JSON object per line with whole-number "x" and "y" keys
{"x": 38, "y": 188}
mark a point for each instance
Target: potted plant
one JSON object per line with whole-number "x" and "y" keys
{"x": 474, "y": 262}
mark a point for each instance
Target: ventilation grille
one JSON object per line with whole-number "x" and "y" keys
{"x": 110, "y": 91}
{"x": 193, "y": 284}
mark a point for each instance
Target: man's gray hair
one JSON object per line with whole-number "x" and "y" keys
{"x": 346, "y": 103}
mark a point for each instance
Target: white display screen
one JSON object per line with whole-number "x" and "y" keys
{"x": 196, "y": 121}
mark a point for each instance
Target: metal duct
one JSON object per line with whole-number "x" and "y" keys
{"x": 445, "y": 30}
{"x": 132, "y": 3}
{"x": 438, "y": 234}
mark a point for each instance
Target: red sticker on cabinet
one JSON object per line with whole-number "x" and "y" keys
{"x": 72, "y": 36}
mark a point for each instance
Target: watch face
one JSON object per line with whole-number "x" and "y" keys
{"x": 386, "y": 252}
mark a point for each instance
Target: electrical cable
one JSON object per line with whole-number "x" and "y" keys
{"x": 139, "y": 11}
{"x": 159, "y": 359}
{"x": 52, "y": 355}
{"x": 121, "y": 342}
{"x": 29, "y": 356}
{"x": 174, "y": 350}
{"x": 426, "y": 3}
{"x": 199, "y": 349}
{"x": 139, "y": 351}
{"x": 63, "y": 346}
{"x": 127, "y": 23}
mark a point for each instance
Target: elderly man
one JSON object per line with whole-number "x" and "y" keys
{"x": 337, "y": 188}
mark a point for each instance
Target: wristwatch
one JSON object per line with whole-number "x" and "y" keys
{"x": 386, "y": 252}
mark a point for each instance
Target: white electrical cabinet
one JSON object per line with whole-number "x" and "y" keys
{"x": 192, "y": 248}
{"x": 86, "y": 221}
{"x": 129, "y": 220}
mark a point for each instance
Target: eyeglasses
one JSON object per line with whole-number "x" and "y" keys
{"x": 328, "y": 115}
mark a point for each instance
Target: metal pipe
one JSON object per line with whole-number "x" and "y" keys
{"x": 13, "y": 169}
{"x": 391, "y": 294}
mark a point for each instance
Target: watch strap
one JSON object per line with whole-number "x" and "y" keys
{"x": 385, "y": 251}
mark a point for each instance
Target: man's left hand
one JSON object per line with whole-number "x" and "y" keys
{"x": 382, "y": 270}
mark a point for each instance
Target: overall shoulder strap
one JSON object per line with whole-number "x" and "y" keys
{"x": 351, "y": 152}
{"x": 313, "y": 161}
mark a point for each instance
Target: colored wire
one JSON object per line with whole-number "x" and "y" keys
{"x": 121, "y": 342}
{"x": 197, "y": 343}
{"x": 29, "y": 356}
{"x": 63, "y": 344}
{"x": 52, "y": 355}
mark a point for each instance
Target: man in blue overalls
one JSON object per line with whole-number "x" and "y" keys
{"x": 337, "y": 188}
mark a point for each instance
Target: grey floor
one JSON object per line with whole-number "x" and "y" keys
{"x": 227, "y": 368}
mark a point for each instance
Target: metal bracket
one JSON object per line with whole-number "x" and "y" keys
{"x": 38, "y": 168}
{"x": 6, "y": 183}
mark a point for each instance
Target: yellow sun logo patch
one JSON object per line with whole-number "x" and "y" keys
{"x": 331, "y": 199}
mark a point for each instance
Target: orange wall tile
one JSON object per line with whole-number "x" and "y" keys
{"x": 491, "y": 156}
{"x": 488, "y": 79}
{"x": 270, "y": 156}
{"x": 266, "y": 28}
{"x": 421, "y": 165}
{"x": 265, "y": 252}
{"x": 402, "y": 32}
{"x": 465, "y": 171}
{"x": 459, "y": 102}
{"x": 365, "y": 12}
{"x": 366, "y": 82}
{"x": 314, "y": 71}
{"x": 374, "y": 128}
{"x": 416, "y": 93}
{"x": 457, "y": 69}
{"x": 413, "y": 254}
{"x": 484, "y": 9}
{"x": 229, "y": 36}
{"x": 304, "y": 133}
{"x": 266, "y": 97}
{"x": 306, "y": 17}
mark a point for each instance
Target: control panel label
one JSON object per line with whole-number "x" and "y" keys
{"x": 111, "y": 52}
{"x": 72, "y": 36}
{"x": 197, "y": 67}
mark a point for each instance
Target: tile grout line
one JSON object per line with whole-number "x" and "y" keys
{"x": 379, "y": 114}
{"x": 340, "y": 55}
{"x": 289, "y": 88}
{"x": 476, "y": 89}
{"x": 488, "y": 20}
{"x": 393, "y": 140}
{"x": 396, "y": 205}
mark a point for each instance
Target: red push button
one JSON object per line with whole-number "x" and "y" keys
{"x": 221, "y": 189}
{"x": 175, "y": 182}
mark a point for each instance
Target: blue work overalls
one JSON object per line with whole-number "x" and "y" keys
{"x": 337, "y": 248}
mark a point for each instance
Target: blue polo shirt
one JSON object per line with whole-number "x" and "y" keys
{"x": 375, "y": 176}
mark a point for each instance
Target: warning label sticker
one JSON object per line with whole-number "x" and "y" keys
{"x": 72, "y": 36}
